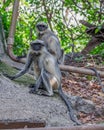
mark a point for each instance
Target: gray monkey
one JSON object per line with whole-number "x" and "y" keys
{"x": 51, "y": 41}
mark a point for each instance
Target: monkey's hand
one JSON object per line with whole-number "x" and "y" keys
{"x": 32, "y": 89}
{"x": 8, "y": 76}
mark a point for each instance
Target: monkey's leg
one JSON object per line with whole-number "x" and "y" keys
{"x": 48, "y": 90}
{"x": 69, "y": 106}
{"x": 43, "y": 80}
{"x": 61, "y": 58}
{"x": 35, "y": 87}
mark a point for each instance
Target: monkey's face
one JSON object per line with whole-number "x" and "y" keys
{"x": 37, "y": 46}
{"x": 41, "y": 27}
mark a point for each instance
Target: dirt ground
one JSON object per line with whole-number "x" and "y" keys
{"x": 86, "y": 86}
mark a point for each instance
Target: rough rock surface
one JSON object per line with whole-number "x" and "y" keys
{"x": 17, "y": 104}
{"x": 82, "y": 105}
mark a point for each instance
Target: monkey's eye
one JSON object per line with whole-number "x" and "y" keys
{"x": 40, "y": 25}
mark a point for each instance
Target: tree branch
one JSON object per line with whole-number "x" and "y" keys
{"x": 80, "y": 70}
{"x": 87, "y": 24}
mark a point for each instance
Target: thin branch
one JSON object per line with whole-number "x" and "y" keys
{"x": 87, "y": 24}
{"x": 100, "y": 12}
{"x": 47, "y": 15}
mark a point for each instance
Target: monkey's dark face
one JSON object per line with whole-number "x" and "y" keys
{"x": 42, "y": 27}
{"x": 37, "y": 46}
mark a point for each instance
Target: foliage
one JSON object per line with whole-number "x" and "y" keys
{"x": 62, "y": 17}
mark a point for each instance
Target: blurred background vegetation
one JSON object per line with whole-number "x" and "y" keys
{"x": 62, "y": 17}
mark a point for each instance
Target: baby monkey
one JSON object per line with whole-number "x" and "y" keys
{"x": 47, "y": 73}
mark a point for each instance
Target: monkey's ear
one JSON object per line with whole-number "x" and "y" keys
{"x": 31, "y": 43}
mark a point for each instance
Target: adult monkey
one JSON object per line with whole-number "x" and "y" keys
{"x": 47, "y": 72}
{"x": 51, "y": 41}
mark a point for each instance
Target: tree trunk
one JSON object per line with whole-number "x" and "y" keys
{"x": 13, "y": 22}
{"x": 80, "y": 70}
{"x": 91, "y": 45}
{"x": 10, "y": 40}
{"x": 2, "y": 39}
{"x": 97, "y": 38}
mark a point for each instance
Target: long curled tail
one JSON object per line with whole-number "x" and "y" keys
{"x": 69, "y": 106}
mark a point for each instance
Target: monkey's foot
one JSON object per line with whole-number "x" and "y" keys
{"x": 39, "y": 92}
{"x": 43, "y": 92}
{"x": 33, "y": 91}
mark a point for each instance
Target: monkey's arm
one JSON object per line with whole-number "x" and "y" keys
{"x": 24, "y": 70}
